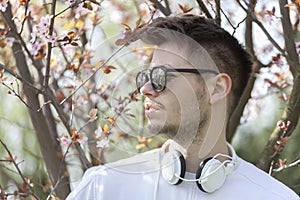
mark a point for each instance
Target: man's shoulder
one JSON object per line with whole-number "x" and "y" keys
{"x": 128, "y": 173}
{"x": 141, "y": 162}
{"x": 261, "y": 183}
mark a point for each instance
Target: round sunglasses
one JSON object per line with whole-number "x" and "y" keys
{"x": 158, "y": 76}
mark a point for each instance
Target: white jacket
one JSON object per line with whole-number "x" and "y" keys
{"x": 140, "y": 178}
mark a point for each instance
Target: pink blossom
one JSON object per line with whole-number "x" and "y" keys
{"x": 33, "y": 36}
{"x": 65, "y": 141}
{"x": 103, "y": 143}
{"x": 35, "y": 47}
{"x": 297, "y": 47}
{"x": 3, "y": 5}
{"x": 51, "y": 38}
{"x": 70, "y": 2}
{"x": 284, "y": 126}
{"x": 270, "y": 18}
{"x": 278, "y": 61}
{"x": 82, "y": 139}
{"x": 10, "y": 41}
{"x": 44, "y": 24}
{"x": 94, "y": 98}
{"x": 98, "y": 132}
{"x": 122, "y": 33}
{"x": 80, "y": 101}
{"x": 41, "y": 30}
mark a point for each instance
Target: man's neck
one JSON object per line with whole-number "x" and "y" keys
{"x": 193, "y": 159}
{"x": 193, "y": 155}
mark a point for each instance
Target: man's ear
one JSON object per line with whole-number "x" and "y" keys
{"x": 221, "y": 86}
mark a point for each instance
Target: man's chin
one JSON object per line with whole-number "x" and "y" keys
{"x": 167, "y": 131}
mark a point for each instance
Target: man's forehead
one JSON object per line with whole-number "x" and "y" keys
{"x": 181, "y": 56}
{"x": 169, "y": 53}
{"x": 170, "y": 48}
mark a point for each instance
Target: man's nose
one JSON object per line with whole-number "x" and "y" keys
{"x": 147, "y": 90}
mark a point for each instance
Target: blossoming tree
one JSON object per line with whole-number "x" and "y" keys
{"x": 60, "y": 59}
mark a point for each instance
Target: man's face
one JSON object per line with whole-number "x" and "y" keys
{"x": 183, "y": 105}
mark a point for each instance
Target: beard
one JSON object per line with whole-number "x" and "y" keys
{"x": 185, "y": 128}
{"x": 186, "y": 119}
{"x": 164, "y": 130}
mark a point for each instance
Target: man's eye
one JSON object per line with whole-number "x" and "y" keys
{"x": 171, "y": 77}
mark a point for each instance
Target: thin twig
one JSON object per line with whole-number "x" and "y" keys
{"x": 64, "y": 120}
{"x": 254, "y": 19}
{"x": 85, "y": 81}
{"x": 238, "y": 25}
{"x": 18, "y": 169}
{"x": 293, "y": 164}
{"x": 8, "y": 169}
{"x": 49, "y": 52}
{"x": 7, "y": 18}
{"x": 12, "y": 91}
{"x": 5, "y": 161}
{"x": 23, "y": 195}
{"x": 20, "y": 78}
{"x": 212, "y": 7}
{"x": 55, "y": 186}
{"x": 25, "y": 14}
{"x": 59, "y": 179}
{"x": 71, "y": 6}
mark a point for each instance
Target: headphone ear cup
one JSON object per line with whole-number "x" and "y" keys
{"x": 174, "y": 164}
{"x": 211, "y": 175}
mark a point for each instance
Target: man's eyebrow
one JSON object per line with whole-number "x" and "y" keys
{"x": 172, "y": 74}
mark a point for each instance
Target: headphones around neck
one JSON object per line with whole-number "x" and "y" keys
{"x": 210, "y": 175}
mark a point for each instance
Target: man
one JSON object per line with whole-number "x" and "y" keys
{"x": 197, "y": 74}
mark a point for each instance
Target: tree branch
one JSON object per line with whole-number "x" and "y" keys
{"x": 18, "y": 169}
{"x": 238, "y": 112}
{"x": 218, "y": 12}
{"x": 163, "y": 9}
{"x": 293, "y": 164}
{"x": 48, "y": 61}
{"x": 204, "y": 9}
{"x": 25, "y": 14}
{"x": 276, "y": 45}
{"x": 20, "y": 78}
{"x": 7, "y": 17}
{"x": 167, "y": 6}
{"x": 37, "y": 118}
{"x": 234, "y": 120}
{"x": 93, "y": 74}
{"x": 292, "y": 110}
{"x": 76, "y": 3}
{"x": 251, "y": 16}
{"x": 289, "y": 37}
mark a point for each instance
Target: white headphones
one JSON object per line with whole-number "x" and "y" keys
{"x": 210, "y": 176}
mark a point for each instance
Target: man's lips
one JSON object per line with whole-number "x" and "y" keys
{"x": 147, "y": 107}
{"x": 151, "y": 106}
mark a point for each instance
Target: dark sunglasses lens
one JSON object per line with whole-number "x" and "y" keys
{"x": 158, "y": 79}
{"x": 141, "y": 80}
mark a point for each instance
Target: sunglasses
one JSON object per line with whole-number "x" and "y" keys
{"x": 158, "y": 76}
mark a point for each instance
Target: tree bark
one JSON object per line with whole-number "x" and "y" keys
{"x": 39, "y": 122}
{"x": 292, "y": 110}
{"x": 41, "y": 127}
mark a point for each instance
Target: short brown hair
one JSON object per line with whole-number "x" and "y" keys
{"x": 227, "y": 53}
